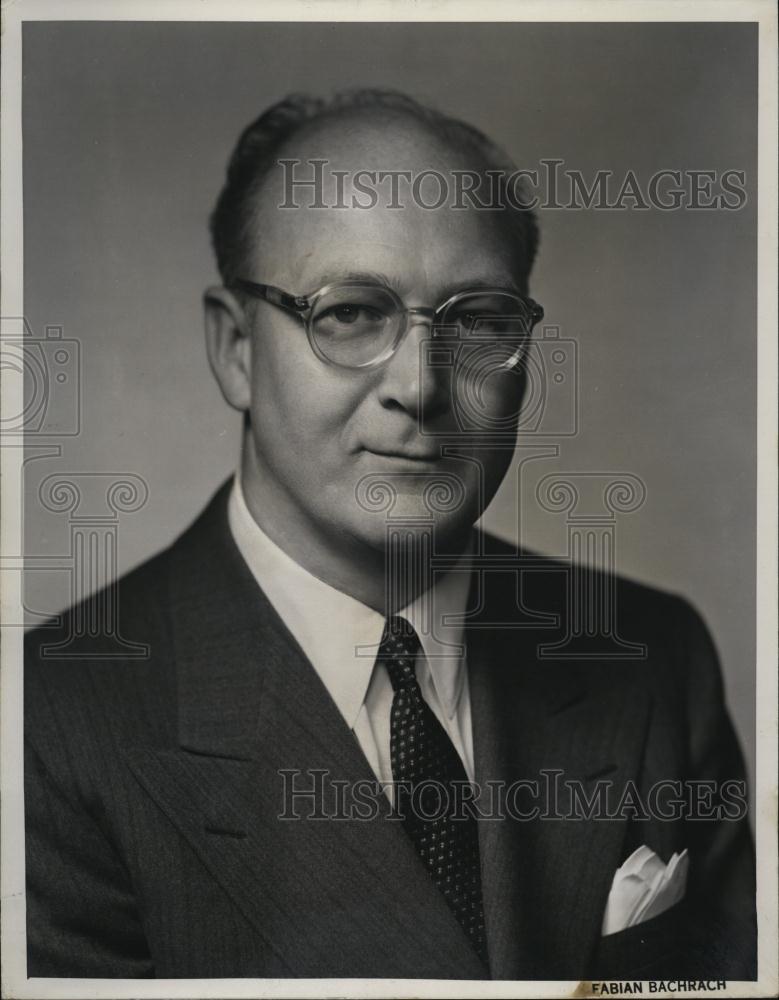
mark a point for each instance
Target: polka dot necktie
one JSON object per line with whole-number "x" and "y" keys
{"x": 429, "y": 777}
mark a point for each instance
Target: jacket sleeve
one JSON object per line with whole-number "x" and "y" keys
{"x": 82, "y": 914}
{"x": 722, "y": 878}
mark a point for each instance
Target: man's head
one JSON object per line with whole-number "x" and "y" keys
{"x": 327, "y": 442}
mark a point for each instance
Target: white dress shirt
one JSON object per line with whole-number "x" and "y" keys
{"x": 341, "y": 636}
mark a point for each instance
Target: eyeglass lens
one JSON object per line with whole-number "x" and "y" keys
{"x": 357, "y": 325}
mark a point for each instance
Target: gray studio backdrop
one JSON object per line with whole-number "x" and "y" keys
{"x": 127, "y": 129}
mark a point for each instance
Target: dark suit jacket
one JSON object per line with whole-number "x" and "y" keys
{"x": 153, "y": 842}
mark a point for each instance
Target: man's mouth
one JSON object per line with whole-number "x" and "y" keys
{"x": 422, "y": 456}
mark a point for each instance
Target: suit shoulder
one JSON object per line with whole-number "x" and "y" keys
{"x": 138, "y": 598}
{"x": 657, "y": 628}
{"x": 550, "y": 570}
{"x": 112, "y": 653}
{"x": 101, "y": 675}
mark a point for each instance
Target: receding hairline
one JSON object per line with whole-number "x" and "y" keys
{"x": 301, "y": 147}
{"x": 478, "y": 153}
{"x": 298, "y": 128}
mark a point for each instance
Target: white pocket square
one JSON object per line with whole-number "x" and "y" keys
{"x": 642, "y": 888}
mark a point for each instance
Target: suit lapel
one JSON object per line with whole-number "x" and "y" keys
{"x": 546, "y": 880}
{"x": 328, "y": 896}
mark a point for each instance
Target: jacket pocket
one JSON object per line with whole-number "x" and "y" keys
{"x": 656, "y": 948}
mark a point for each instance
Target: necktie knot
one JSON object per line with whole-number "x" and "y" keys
{"x": 398, "y": 652}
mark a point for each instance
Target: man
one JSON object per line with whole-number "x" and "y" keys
{"x": 339, "y": 758}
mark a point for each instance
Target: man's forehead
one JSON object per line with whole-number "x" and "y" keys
{"x": 407, "y": 267}
{"x": 302, "y": 244}
{"x": 384, "y": 223}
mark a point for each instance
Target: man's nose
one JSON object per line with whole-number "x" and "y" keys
{"x": 413, "y": 379}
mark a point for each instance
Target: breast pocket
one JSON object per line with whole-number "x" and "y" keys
{"x": 659, "y": 948}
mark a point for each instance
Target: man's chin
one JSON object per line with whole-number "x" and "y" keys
{"x": 410, "y": 517}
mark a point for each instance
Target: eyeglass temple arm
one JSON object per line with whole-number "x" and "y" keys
{"x": 295, "y": 303}
{"x": 536, "y": 311}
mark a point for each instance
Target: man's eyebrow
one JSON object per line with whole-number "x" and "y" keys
{"x": 375, "y": 277}
{"x": 378, "y": 277}
{"x": 501, "y": 282}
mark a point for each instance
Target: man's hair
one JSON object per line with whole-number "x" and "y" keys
{"x": 261, "y": 141}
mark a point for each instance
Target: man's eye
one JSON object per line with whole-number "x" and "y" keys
{"x": 482, "y": 320}
{"x": 348, "y": 313}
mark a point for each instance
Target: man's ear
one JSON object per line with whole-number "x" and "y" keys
{"x": 228, "y": 343}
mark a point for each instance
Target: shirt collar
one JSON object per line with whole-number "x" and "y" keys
{"x": 437, "y": 617}
{"x": 341, "y": 635}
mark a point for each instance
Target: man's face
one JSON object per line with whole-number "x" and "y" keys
{"x": 341, "y": 450}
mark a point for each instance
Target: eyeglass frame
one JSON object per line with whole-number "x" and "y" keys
{"x": 302, "y": 306}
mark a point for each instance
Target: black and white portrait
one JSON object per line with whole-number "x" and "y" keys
{"x": 384, "y": 444}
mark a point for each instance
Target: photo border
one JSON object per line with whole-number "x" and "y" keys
{"x": 14, "y": 14}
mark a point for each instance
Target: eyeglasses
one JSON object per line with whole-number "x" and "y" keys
{"x": 361, "y": 324}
